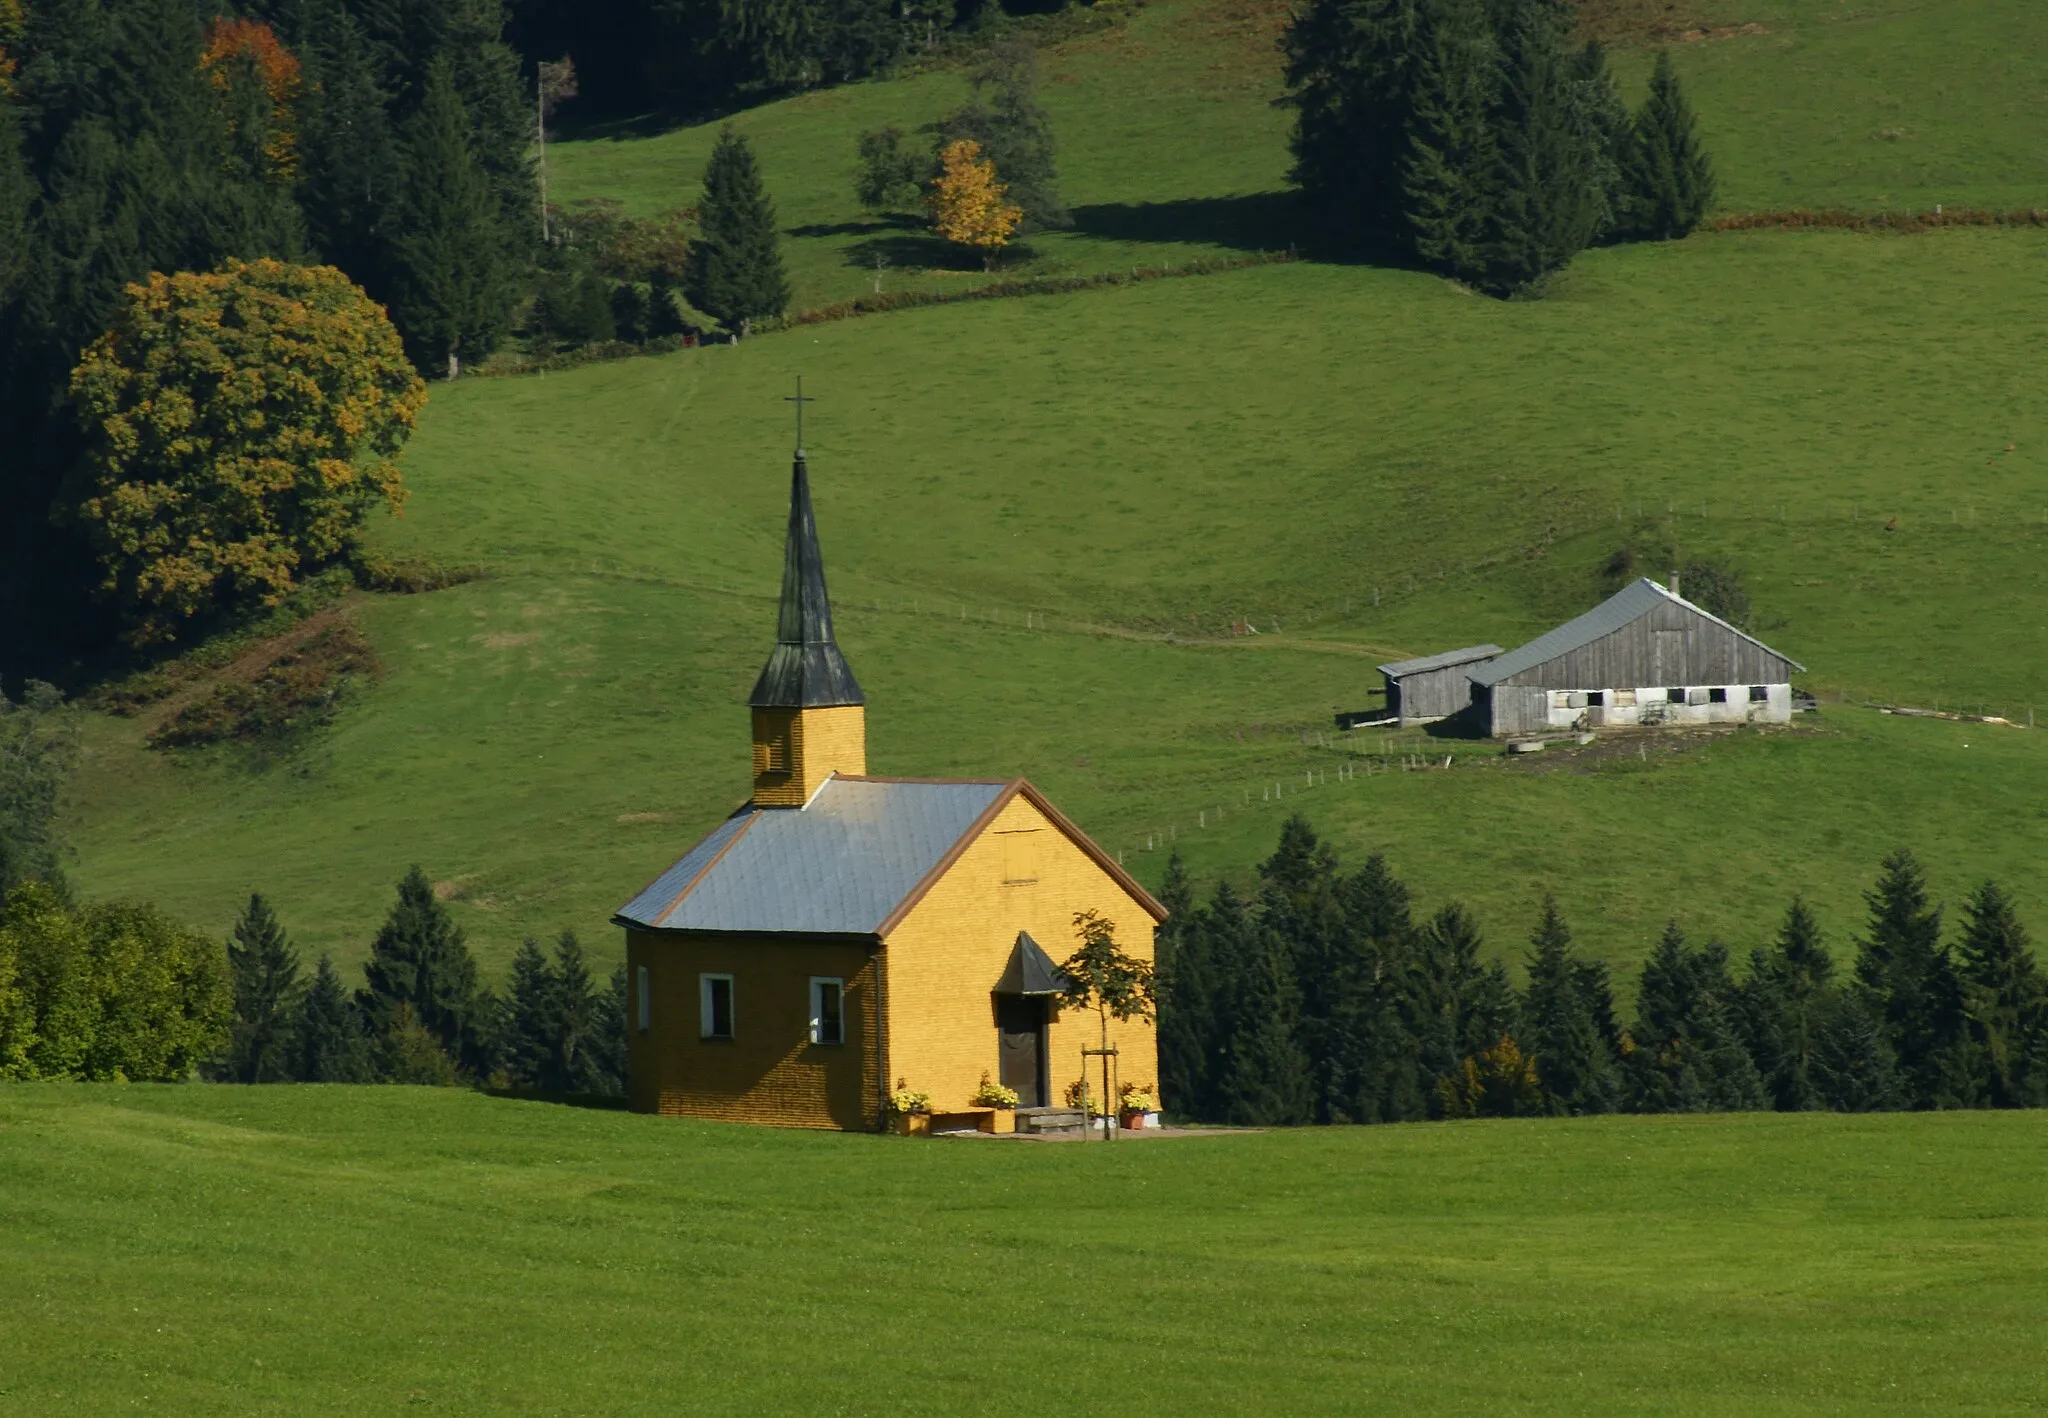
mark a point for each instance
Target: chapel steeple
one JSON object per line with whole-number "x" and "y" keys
{"x": 809, "y": 714}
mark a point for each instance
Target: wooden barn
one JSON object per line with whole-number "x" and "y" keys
{"x": 1644, "y": 656}
{"x": 1421, "y": 691}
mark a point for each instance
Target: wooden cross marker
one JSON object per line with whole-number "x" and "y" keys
{"x": 799, "y": 400}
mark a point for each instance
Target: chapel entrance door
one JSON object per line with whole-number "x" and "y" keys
{"x": 1020, "y": 1022}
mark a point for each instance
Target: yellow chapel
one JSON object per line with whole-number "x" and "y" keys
{"x": 842, "y": 931}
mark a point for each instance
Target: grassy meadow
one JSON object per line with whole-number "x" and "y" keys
{"x": 1865, "y": 104}
{"x": 336, "y": 1250}
{"x": 1042, "y": 517}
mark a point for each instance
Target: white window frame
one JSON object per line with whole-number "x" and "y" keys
{"x": 645, "y": 1003}
{"x": 818, "y": 982}
{"x": 705, "y": 1016}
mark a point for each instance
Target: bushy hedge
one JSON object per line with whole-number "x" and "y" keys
{"x": 106, "y": 992}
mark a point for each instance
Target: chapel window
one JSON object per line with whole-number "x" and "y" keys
{"x": 828, "y": 1010}
{"x": 715, "y": 1004}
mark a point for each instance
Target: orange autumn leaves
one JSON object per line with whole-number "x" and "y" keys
{"x": 240, "y": 426}
{"x": 247, "y": 50}
{"x": 966, "y": 202}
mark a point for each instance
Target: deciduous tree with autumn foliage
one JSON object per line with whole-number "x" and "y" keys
{"x": 967, "y": 203}
{"x": 240, "y": 425}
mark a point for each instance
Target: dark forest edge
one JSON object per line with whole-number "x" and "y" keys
{"x": 1321, "y": 999}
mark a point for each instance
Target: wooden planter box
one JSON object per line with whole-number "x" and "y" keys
{"x": 910, "y": 1124}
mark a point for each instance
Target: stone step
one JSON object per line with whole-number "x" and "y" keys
{"x": 1050, "y": 1119}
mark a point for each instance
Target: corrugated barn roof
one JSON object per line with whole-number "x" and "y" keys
{"x": 1630, "y": 603}
{"x": 840, "y": 865}
{"x": 1443, "y": 661}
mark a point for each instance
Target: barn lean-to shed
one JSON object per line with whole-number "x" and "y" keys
{"x": 1432, "y": 687}
{"x": 1644, "y": 656}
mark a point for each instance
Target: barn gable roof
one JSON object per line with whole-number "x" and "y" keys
{"x": 1444, "y": 660}
{"x": 1629, "y": 604}
{"x": 852, "y": 861}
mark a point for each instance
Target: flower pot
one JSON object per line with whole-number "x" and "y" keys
{"x": 1131, "y": 1122}
{"x": 910, "y": 1124}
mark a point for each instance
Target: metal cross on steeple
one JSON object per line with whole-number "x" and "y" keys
{"x": 799, "y": 400}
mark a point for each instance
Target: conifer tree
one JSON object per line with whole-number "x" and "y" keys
{"x": 1216, "y": 951}
{"x": 1667, "y": 179}
{"x": 420, "y": 973}
{"x": 1458, "y": 1008}
{"x": 734, "y": 269}
{"x": 2006, "y": 997}
{"x": 1545, "y": 203}
{"x": 1187, "y": 995}
{"x": 1605, "y": 119}
{"x": 17, "y": 192}
{"x": 1374, "y": 978}
{"x": 452, "y": 276}
{"x": 530, "y": 1030}
{"x": 1784, "y": 1005}
{"x": 1907, "y": 971}
{"x": 328, "y": 1045}
{"x": 579, "y": 1064}
{"x": 265, "y": 969}
{"x": 350, "y": 167}
{"x": 1688, "y": 1055}
{"x": 609, "y": 1049}
{"x": 1266, "y": 1078}
{"x": 1854, "y": 1067}
{"x": 1350, "y": 76}
{"x": 1566, "y": 1017}
{"x": 1447, "y": 178}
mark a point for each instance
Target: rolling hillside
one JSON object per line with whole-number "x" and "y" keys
{"x": 1042, "y": 517}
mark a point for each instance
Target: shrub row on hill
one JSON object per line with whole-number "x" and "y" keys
{"x": 1322, "y": 1000}
{"x": 1841, "y": 219}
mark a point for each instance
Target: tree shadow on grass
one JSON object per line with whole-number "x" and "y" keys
{"x": 921, "y": 250}
{"x": 867, "y": 226}
{"x": 1257, "y": 221}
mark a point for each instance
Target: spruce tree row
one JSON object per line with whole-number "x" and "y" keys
{"x": 421, "y": 1016}
{"x": 1323, "y": 1000}
{"x": 1469, "y": 137}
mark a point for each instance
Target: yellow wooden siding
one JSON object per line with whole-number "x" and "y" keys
{"x": 795, "y": 750}
{"x": 946, "y": 955}
{"x": 769, "y": 1072}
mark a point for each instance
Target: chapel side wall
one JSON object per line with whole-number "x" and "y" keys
{"x": 769, "y": 1071}
{"x": 945, "y": 958}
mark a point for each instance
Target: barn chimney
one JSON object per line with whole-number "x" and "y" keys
{"x": 1674, "y": 583}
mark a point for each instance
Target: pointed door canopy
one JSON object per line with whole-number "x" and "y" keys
{"x": 1031, "y": 971}
{"x": 805, "y": 670}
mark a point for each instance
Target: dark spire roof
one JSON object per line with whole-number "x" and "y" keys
{"x": 1031, "y": 971}
{"x": 805, "y": 670}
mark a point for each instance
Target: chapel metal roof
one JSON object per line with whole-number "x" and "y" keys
{"x": 805, "y": 670}
{"x": 840, "y": 865}
{"x": 1628, "y": 604}
{"x": 1443, "y": 661}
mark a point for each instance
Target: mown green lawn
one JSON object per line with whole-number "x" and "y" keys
{"x": 330, "y": 1250}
